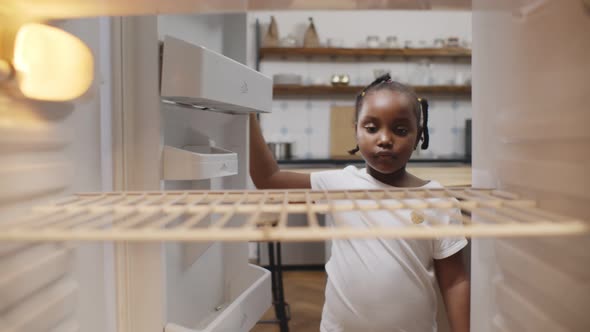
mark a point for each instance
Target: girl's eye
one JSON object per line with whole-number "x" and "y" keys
{"x": 401, "y": 131}
{"x": 371, "y": 129}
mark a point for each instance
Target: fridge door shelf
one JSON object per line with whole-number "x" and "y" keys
{"x": 198, "y": 163}
{"x": 249, "y": 297}
{"x": 193, "y": 76}
{"x": 209, "y": 216}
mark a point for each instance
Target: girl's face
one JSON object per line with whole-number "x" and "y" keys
{"x": 387, "y": 130}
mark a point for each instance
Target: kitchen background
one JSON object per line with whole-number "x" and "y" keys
{"x": 307, "y": 120}
{"x": 320, "y": 125}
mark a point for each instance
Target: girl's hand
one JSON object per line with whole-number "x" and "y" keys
{"x": 264, "y": 171}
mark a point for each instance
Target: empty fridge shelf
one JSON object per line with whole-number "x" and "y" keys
{"x": 198, "y": 163}
{"x": 209, "y": 216}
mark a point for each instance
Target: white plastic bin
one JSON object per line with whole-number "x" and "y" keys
{"x": 247, "y": 299}
{"x": 198, "y": 163}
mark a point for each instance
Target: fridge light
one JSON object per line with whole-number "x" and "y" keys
{"x": 51, "y": 64}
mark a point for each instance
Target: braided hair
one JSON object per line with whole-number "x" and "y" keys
{"x": 419, "y": 105}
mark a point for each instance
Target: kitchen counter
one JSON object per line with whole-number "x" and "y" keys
{"x": 448, "y": 176}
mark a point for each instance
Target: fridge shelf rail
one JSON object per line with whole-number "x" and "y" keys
{"x": 263, "y": 216}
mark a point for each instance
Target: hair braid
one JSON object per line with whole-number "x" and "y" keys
{"x": 425, "y": 134}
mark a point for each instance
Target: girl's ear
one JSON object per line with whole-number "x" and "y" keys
{"x": 356, "y": 138}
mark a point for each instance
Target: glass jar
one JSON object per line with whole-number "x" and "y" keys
{"x": 391, "y": 42}
{"x": 372, "y": 41}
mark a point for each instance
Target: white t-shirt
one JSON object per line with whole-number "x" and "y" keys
{"x": 380, "y": 285}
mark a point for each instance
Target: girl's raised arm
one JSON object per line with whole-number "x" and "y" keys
{"x": 264, "y": 170}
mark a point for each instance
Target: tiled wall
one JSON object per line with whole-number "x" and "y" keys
{"x": 306, "y": 120}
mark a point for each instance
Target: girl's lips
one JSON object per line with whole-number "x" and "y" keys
{"x": 384, "y": 154}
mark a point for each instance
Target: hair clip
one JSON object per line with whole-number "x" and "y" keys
{"x": 363, "y": 94}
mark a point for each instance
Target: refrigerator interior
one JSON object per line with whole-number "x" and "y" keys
{"x": 529, "y": 138}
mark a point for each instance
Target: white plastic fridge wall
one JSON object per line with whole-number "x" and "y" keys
{"x": 530, "y": 90}
{"x": 49, "y": 150}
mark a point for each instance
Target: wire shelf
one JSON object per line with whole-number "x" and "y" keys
{"x": 263, "y": 216}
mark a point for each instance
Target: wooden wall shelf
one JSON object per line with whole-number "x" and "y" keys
{"x": 294, "y": 90}
{"x": 453, "y": 52}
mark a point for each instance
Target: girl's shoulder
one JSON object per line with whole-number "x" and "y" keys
{"x": 417, "y": 182}
{"x": 352, "y": 177}
{"x": 344, "y": 178}
{"x": 432, "y": 184}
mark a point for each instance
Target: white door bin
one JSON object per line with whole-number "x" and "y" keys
{"x": 198, "y": 163}
{"x": 248, "y": 297}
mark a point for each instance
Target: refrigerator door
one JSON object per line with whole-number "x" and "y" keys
{"x": 196, "y": 286}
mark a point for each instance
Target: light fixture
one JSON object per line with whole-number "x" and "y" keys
{"x": 49, "y": 63}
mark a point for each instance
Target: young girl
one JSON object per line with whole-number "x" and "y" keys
{"x": 382, "y": 284}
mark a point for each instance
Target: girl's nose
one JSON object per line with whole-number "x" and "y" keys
{"x": 385, "y": 139}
